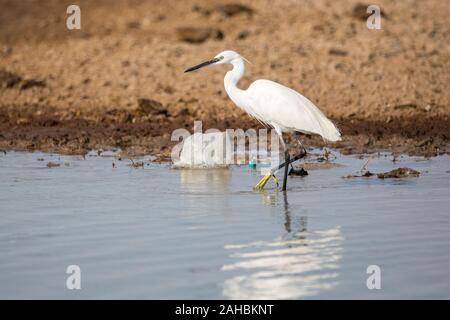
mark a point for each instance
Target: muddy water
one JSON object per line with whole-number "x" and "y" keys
{"x": 154, "y": 232}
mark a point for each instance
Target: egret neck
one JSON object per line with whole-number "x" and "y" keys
{"x": 230, "y": 81}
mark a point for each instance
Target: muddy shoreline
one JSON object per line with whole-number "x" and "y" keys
{"x": 138, "y": 133}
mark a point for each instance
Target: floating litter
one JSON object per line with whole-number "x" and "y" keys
{"x": 252, "y": 164}
{"x": 201, "y": 151}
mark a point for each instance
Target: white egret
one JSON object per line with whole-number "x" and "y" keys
{"x": 273, "y": 104}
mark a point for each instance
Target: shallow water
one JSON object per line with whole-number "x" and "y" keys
{"x": 155, "y": 232}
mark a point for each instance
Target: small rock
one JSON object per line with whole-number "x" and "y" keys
{"x": 232, "y": 9}
{"x": 30, "y": 83}
{"x": 199, "y": 35}
{"x": 160, "y": 17}
{"x": 8, "y": 79}
{"x": 169, "y": 90}
{"x": 405, "y": 106}
{"x": 133, "y": 25}
{"x": 360, "y": 12}
{"x": 337, "y": 52}
{"x": 243, "y": 35}
{"x": 149, "y": 106}
{"x": 203, "y": 11}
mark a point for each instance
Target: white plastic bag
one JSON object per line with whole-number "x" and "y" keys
{"x": 209, "y": 150}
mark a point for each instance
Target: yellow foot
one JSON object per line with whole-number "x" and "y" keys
{"x": 261, "y": 184}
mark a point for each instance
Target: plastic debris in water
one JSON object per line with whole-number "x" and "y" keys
{"x": 252, "y": 164}
{"x": 209, "y": 150}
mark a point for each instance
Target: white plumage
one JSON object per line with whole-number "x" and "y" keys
{"x": 287, "y": 110}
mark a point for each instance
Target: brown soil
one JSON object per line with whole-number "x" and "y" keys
{"x": 119, "y": 81}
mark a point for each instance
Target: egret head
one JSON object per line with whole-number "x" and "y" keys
{"x": 226, "y": 56}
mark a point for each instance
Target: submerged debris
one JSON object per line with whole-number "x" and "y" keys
{"x": 321, "y": 165}
{"x": 139, "y": 164}
{"x": 52, "y": 164}
{"x": 298, "y": 172}
{"x": 327, "y": 156}
{"x": 396, "y": 173}
{"x": 399, "y": 173}
{"x": 366, "y": 174}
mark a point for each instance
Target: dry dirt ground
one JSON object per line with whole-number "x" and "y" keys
{"x": 119, "y": 81}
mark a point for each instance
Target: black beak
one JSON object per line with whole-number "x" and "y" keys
{"x": 201, "y": 65}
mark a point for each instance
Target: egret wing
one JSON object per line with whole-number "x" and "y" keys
{"x": 277, "y": 105}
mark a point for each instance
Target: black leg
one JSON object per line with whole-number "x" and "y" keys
{"x": 260, "y": 185}
{"x": 286, "y": 169}
{"x": 297, "y": 157}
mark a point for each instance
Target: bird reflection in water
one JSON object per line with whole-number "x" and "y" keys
{"x": 299, "y": 263}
